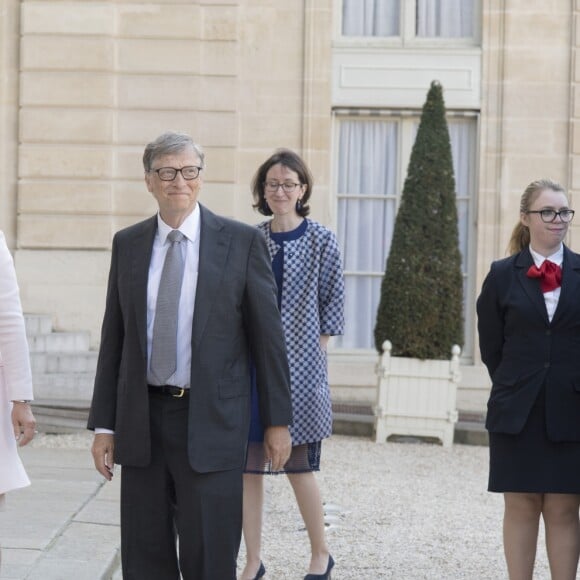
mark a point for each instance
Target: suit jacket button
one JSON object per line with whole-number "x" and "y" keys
{"x": 548, "y": 332}
{"x": 546, "y": 365}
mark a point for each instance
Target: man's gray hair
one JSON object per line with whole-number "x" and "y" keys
{"x": 168, "y": 144}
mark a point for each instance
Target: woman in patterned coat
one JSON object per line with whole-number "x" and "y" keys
{"x": 308, "y": 270}
{"x": 16, "y": 420}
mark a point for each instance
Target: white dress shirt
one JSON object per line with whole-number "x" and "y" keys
{"x": 190, "y": 228}
{"x": 551, "y": 298}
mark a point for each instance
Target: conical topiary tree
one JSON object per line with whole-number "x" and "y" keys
{"x": 420, "y": 309}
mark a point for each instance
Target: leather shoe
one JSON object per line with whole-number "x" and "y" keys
{"x": 261, "y": 572}
{"x": 326, "y": 575}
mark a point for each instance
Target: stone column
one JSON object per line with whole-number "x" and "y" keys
{"x": 574, "y": 172}
{"x": 9, "y": 62}
{"x": 317, "y": 104}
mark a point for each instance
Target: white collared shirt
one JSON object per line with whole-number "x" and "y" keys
{"x": 190, "y": 228}
{"x": 550, "y": 298}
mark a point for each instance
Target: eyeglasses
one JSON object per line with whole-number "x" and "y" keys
{"x": 170, "y": 173}
{"x": 549, "y": 215}
{"x": 287, "y": 186}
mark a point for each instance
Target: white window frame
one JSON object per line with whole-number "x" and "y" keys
{"x": 407, "y": 38}
{"x": 407, "y": 118}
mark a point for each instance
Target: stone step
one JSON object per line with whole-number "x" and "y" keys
{"x": 63, "y": 362}
{"x": 60, "y": 416}
{"x": 66, "y": 386}
{"x": 471, "y": 433}
{"x": 59, "y": 342}
{"x": 355, "y": 418}
{"x": 38, "y": 324}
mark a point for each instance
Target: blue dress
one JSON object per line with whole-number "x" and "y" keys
{"x": 305, "y": 457}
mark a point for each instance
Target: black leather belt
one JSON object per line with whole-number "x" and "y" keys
{"x": 168, "y": 390}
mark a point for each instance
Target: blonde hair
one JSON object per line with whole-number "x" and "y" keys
{"x": 520, "y": 237}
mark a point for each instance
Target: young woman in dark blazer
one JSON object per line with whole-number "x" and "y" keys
{"x": 529, "y": 338}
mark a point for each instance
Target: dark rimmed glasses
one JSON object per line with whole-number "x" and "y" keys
{"x": 170, "y": 173}
{"x": 274, "y": 186}
{"x": 550, "y": 215}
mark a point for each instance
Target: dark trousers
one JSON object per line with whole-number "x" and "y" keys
{"x": 167, "y": 499}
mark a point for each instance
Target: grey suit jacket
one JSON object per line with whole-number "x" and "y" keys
{"x": 235, "y": 317}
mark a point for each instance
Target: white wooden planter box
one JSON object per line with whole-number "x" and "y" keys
{"x": 416, "y": 397}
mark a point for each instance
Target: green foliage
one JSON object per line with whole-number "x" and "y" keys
{"x": 420, "y": 310}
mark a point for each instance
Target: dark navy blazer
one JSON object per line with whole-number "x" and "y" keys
{"x": 524, "y": 351}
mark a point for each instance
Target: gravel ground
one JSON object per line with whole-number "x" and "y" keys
{"x": 403, "y": 511}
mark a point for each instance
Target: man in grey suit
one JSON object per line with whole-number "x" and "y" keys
{"x": 191, "y": 299}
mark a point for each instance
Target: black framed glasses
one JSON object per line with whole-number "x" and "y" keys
{"x": 550, "y": 215}
{"x": 170, "y": 173}
{"x": 274, "y": 186}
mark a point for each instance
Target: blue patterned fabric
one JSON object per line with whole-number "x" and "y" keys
{"x": 278, "y": 260}
{"x": 312, "y": 303}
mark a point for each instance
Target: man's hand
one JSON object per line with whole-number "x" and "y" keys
{"x": 277, "y": 446}
{"x": 103, "y": 451}
{"x": 23, "y": 422}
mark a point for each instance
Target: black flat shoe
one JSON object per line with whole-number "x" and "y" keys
{"x": 326, "y": 575}
{"x": 261, "y": 572}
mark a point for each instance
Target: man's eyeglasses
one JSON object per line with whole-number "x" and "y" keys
{"x": 287, "y": 186}
{"x": 170, "y": 173}
{"x": 549, "y": 215}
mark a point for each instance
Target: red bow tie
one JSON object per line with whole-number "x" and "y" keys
{"x": 550, "y": 275}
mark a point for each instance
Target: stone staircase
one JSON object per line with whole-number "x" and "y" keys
{"x": 63, "y": 371}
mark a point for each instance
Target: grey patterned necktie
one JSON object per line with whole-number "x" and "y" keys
{"x": 164, "y": 342}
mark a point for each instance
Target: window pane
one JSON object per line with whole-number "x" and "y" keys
{"x": 370, "y": 17}
{"x": 462, "y": 136}
{"x": 445, "y": 18}
{"x": 367, "y": 171}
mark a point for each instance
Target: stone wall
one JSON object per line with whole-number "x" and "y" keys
{"x": 100, "y": 79}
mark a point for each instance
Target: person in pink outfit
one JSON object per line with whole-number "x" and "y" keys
{"x": 17, "y": 422}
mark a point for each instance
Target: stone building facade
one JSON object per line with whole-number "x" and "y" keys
{"x": 85, "y": 84}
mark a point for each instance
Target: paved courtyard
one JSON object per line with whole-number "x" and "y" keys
{"x": 401, "y": 511}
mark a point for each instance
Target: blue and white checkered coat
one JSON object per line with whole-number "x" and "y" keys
{"x": 312, "y": 304}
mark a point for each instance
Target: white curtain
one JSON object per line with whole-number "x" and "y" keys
{"x": 370, "y": 17}
{"x": 367, "y": 172}
{"x": 445, "y": 18}
{"x": 462, "y": 136}
{"x": 368, "y": 167}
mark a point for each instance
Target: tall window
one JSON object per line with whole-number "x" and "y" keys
{"x": 445, "y": 19}
{"x": 372, "y": 160}
{"x": 367, "y": 206}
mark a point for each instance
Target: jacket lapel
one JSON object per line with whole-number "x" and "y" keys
{"x": 570, "y": 289}
{"x": 530, "y": 285}
{"x": 273, "y": 247}
{"x": 141, "y": 258}
{"x": 214, "y": 244}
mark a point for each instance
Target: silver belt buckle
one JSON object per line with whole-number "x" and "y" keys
{"x": 180, "y": 395}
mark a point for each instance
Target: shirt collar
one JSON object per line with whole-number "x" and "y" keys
{"x": 189, "y": 228}
{"x": 557, "y": 257}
